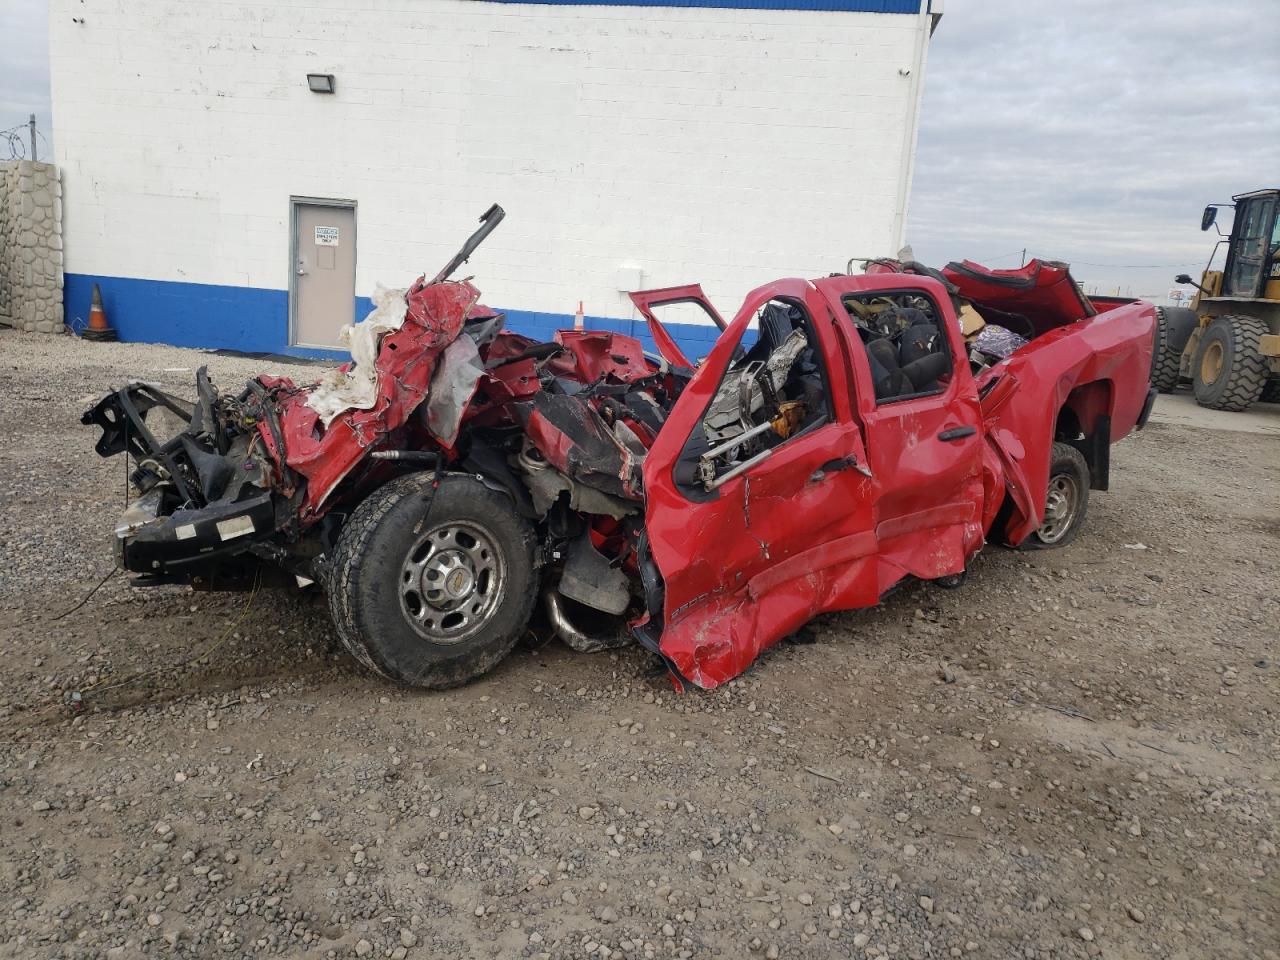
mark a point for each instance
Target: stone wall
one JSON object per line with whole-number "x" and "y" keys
{"x": 31, "y": 246}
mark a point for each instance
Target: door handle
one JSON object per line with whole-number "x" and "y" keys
{"x": 832, "y": 466}
{"x": 302, "y": 267}
{"x": 957, "y": 433}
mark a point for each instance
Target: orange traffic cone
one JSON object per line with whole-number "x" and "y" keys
{"x": 98, "y": 328}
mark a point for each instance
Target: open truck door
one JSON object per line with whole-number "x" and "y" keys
{"x": 690, "y": 293}
{"x": 759, "y": 499}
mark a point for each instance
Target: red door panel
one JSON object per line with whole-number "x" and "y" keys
{"x": 926, "y": 452}
{"x": 789, "y": 538}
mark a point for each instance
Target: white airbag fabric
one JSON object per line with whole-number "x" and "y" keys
{"x": 357, "y": 388}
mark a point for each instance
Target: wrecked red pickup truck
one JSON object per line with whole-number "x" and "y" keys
{"x": 864, "y": 430}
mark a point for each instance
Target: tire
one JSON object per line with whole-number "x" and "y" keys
{"x": 1270, "y": 392}
{"x": 1229, "y": 371}
{"x": 1067, "y": 500}
{"x": 1173, "y": 330}
{"x": 433, "y": 604}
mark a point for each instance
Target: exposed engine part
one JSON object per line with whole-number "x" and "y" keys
{"x": 745, "y": 392}
{"x": 790, "y": 414}
{"x": 410, "y": 456}
{"x": 546, "y": 483}
{"x": 591, "y": 580}
{"x": 574, "y": 637}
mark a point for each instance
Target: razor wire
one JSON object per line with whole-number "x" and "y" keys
{"x": 13, "y": 142}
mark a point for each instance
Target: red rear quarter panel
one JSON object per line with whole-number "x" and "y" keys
{"x": 1111, "y": 351}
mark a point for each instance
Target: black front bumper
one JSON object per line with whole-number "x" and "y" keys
{"x": 190, "y": 542}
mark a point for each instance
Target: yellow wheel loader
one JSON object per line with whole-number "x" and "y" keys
{"x": 1228, "y": 342}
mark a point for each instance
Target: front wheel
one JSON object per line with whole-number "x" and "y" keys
{"x": 432, "y": 589}
{"x": 1066, "y": 501}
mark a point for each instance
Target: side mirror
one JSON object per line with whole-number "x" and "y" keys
{"x": 1182, "y": 278}
{"x": 1208, "y": 217}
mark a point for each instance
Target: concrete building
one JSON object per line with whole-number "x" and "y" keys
{"x": 220, "y": 201}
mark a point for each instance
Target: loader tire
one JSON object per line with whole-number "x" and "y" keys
{"x": 1066, "y": 501}
{"x": 1271, "y": 392}
{"x": 1173, "y": 330}
{"x": 433, "y": 589}
{"x": 1229, "y": 370}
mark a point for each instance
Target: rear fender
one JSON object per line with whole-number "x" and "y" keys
{"x": 1084, "y": 422}
{"x": 1090, "y": 377}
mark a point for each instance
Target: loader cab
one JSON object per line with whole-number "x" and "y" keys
{"x": 1252, "y": 268}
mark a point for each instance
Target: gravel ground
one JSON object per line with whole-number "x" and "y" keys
{"x": 1073, "y": 756}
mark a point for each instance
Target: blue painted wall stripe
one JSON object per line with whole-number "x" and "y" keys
{"x": 849, "y": 6}
{"x": 256, "y": 320}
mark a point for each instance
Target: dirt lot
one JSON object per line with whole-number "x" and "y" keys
{"x": 1075, "y": 755}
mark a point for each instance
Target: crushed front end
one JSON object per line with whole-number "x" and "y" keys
{"x": 208, "y": 486}
{"x": 400, "y": 460}
{"x": 227, "y": 485}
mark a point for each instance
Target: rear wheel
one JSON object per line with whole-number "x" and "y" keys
{"x": 1173, "y": 330}
{"x": 433, "y": 589}
{"x": 1066, "y": 501}
{"x": 1229, "y": 370}
{"x": 1271, "y": 392}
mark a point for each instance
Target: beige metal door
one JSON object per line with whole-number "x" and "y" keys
{"x": 324, "y": 268}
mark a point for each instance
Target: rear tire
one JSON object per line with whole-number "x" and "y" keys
{"x": 1067, "y": 499}
{"x": 1271, "y": 392}
{"x": 433, "y": 590}
{"x": 1230, "y": 371}
{"x": 1173, "y": 330}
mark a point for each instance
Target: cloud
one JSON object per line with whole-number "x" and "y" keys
{"x": 1093, "y": 132}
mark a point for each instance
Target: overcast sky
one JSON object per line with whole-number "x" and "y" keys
{"x": 24, "y": 67}
{"x": 1092, "y": 131}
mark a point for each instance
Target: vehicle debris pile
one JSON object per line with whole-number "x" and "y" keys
{"x": 455, "y": 472}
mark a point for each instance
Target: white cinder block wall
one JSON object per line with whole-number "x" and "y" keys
{"x": 727, "y": 146}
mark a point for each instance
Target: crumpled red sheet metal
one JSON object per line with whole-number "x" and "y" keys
{"x": 1099, "y": 366}
{"x": 492, "y": 384}
{"x": 1042, "y": 291}
{"x": 691, "y": 293}
{"x": 595, "y": 355}
{"x": 576, "y": 441}
{"x": 772, "y": 549}
{"x": 434, "y": 316}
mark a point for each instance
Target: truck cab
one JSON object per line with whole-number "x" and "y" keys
{"x": 871, "y": 453}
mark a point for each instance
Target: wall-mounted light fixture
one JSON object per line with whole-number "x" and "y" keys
{"x": 320, "y": 82}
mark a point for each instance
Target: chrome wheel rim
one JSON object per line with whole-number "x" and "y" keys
{"x": 1061, "y": 505}
{"x": 451, "y": 581}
